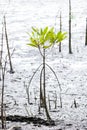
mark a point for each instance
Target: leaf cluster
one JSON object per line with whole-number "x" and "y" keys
{"x": 45, "y": 38}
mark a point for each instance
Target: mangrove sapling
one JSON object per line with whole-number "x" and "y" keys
{"x": 86, "y": 34}
{"x": 7, "y": 43}
{"x": 44, "y": 39}
{"x": 70, "y": 47}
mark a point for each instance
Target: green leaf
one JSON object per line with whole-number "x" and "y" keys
{"x": 41, "y": 39}
{"x": 33, "y": 45}
{"x": 45, "y": 30}
{"x": 41, "y": 31}
{"x": 60, "y": 36}
{"x": 36, "y": 30}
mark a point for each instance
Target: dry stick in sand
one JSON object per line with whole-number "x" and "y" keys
{"x": 2, "y": 76}
{"x": 70, "y": 47}
{"x": 1, "y": 51}
{"x": 2, "y": 100}
{"x": 86, "y": 34}
{"x": 9, "y": 56}
{"x": 60, "y": 31}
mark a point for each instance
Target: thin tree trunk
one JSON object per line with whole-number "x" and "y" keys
{"x": 2, "y": 100}
{"x": 41, "y": 91}
{"x": 86, "y": 34}
{"x": 2, "y": 107}
{"x": 70, "y": 47}
{"x": 9, "y": 56}
{"x": 44, "y": 85}
{"x": 60, "y": 31}
{"x": 1, "y": 51}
